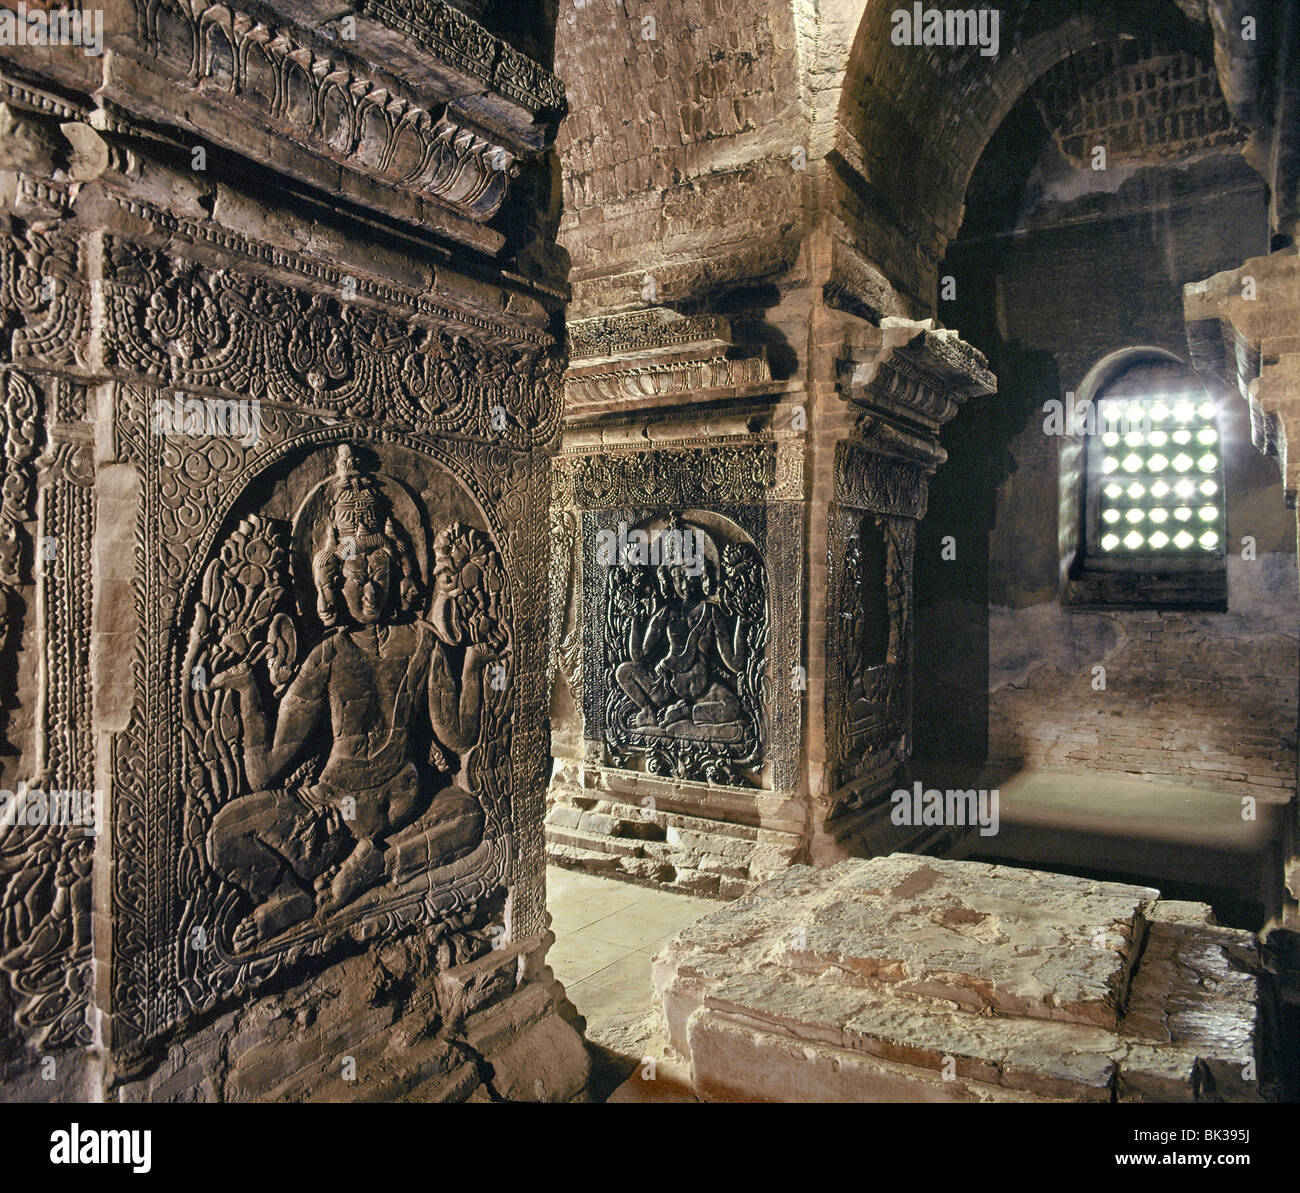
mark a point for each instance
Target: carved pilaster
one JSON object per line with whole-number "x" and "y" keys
{"x": 1243, "y": 329}
{"x": 904, "y": 391}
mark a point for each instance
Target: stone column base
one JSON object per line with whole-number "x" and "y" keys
{"x": 684, "y": 837}
{"x": 389, "y": 1025}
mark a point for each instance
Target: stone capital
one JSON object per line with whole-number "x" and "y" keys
{"x": 1243, "y": 329}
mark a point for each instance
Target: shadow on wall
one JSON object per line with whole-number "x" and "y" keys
{"x": 954, "y": 579}
{"x": 751, "y": 310}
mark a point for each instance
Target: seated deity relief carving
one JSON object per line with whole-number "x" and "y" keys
{"x": 353, "y": 769}
{"x": 685, "y": 640}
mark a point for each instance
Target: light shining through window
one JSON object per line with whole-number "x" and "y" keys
{"x": 1162, "y": 469}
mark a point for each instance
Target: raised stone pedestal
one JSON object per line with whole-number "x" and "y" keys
{"x": 905, "y": 978}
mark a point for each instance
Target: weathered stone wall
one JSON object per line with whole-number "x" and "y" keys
{"x": 678, "y": 157}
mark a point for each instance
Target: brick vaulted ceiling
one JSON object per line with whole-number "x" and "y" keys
{"x": 683, "y": 119}
{"x": 917, "y": 123}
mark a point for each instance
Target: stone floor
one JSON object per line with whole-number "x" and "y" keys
{"x": 1190, "y": 842}
{"x": 605, "y": 935}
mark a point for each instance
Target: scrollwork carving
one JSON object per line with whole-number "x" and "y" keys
{"x": 452, "y": 35}
{"x": 192, "y": 327}
{"x": 725, "y": 472}
{"x": 41, "y": 294}
{"x": 46, "y": 859}
{"x": 20, "y": 432}
{"x": 641, "y": 331}
{"x": 333, "y": 103}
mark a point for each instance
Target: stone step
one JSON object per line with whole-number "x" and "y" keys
{"x": 593, "y": 842}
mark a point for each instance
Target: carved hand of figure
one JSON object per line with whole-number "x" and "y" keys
{"x": 281, "y": 651}
{"x": 246, "y": 935}
{"x": 239, "y": 678}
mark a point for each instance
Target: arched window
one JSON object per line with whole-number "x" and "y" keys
{"x": 1159, "y": 475}
{"x": 1151, "y": 500}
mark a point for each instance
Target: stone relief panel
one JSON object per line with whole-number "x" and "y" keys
{"x": 312, "y": 689}
{"x": 392, "y": 694}
{"x": 870, "y": 650}
{"x": 46, "y": 528}
{"x": 565, "y": 656}
{"x": 704, "y": 647}
{"x": 869, "y": 602}
{"x": 47, "y": 840}
{"x": 685, "y": 632}
{"x": 42, "y": 297}
{"x": 329, "y": 622}
{"x": 191, "y": 326}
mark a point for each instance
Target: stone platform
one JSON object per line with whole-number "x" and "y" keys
{"x": 908, "y": 978}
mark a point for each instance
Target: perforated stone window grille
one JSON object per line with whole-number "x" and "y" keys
{"x": 1157, "y": 478}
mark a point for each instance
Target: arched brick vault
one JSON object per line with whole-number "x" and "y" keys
{"x": 677, "y": 153}
{"x": 912, "y": 123}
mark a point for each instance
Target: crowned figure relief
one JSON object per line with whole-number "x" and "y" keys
{"x": 391, "y": 696}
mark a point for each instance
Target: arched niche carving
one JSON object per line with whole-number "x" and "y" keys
{"x": 343, "y": 664}
{"x": 685, "y": 623}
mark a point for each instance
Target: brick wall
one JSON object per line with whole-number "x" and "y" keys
{"x": 1004, "y": 670}
{"x": 1204, "y": 698}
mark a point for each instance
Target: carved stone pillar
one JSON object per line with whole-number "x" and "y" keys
{"x": 708, "y": 731}
{"x": 900, "y": 393}
{"x": 280, "y": 378}
{"x": 676, "y": 598}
